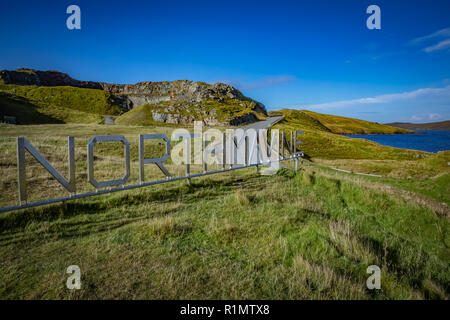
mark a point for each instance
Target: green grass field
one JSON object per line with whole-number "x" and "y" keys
{"x": 298, "y": 235}
{"x": 44, "y": 105}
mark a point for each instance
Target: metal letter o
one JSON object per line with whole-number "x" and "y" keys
{"x": 90, "y": 152}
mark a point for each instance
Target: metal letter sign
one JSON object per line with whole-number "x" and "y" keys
{"x": 237, "y": 148}
{"x": 22, "y": 145}
{"x": 90, "y": 152}
{"x": 157, "y": 161}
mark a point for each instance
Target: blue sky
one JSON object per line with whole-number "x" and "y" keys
{"x": 316, "y": 55}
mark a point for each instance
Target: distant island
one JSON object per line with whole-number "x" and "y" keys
{"x": 442, "y": 125}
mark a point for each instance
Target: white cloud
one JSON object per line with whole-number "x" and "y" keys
{"x": 443, "y": 33}
{"x": 434, "y": 116}
{"x": 440, "y": 34}
{"x": 426, "y": 117}
{"x": 439, "y": 46}
{"x": 423, "y": 94}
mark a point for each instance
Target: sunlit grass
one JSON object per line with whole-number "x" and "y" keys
{"x": 298, "y": 235}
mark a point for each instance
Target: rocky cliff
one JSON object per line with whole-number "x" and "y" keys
{"x": 30, "y": 77}
{"x": 180, "y": 101}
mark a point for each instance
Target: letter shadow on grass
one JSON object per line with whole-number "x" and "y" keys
{"x": 13, "y": 224}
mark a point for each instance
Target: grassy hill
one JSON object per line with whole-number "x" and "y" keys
{"x": 177, "y": 102}
{"x": 416, "y": 171}
{"x": 441, "y": 125}
{"x": 321, "y": 138}
{"x": 139, "y": 116}
{"x": 211, "y": 111}
{"x": 40, "y": 105}
{"x": 336, "y": 124}
{"x": 65, "y": 104}
{"x": 24, "y": 111}
{"x": 27, "y": 112}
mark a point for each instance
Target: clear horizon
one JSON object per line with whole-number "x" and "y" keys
{"x": 318, "y": 56}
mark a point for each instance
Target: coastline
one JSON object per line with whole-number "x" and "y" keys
{"x": 431, "y": 141}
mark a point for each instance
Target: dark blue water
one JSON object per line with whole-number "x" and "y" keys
{"x": 429, "y": 140}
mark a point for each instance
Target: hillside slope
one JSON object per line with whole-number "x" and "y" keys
{"x": 37, "y": 112}
{"x": 441, "y": 125}
{"x": 321, "y": 140}
{"x": 416, "y": 171}
{"x": 336, "y": 124}
{"x": 225, "y": 112}
{"x": 81, "y": 99}
{"x": 180, "y": 101}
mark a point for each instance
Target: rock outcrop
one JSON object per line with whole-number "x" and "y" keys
{"x": 30, "y": 77}
{"x": 168, "y": 97}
